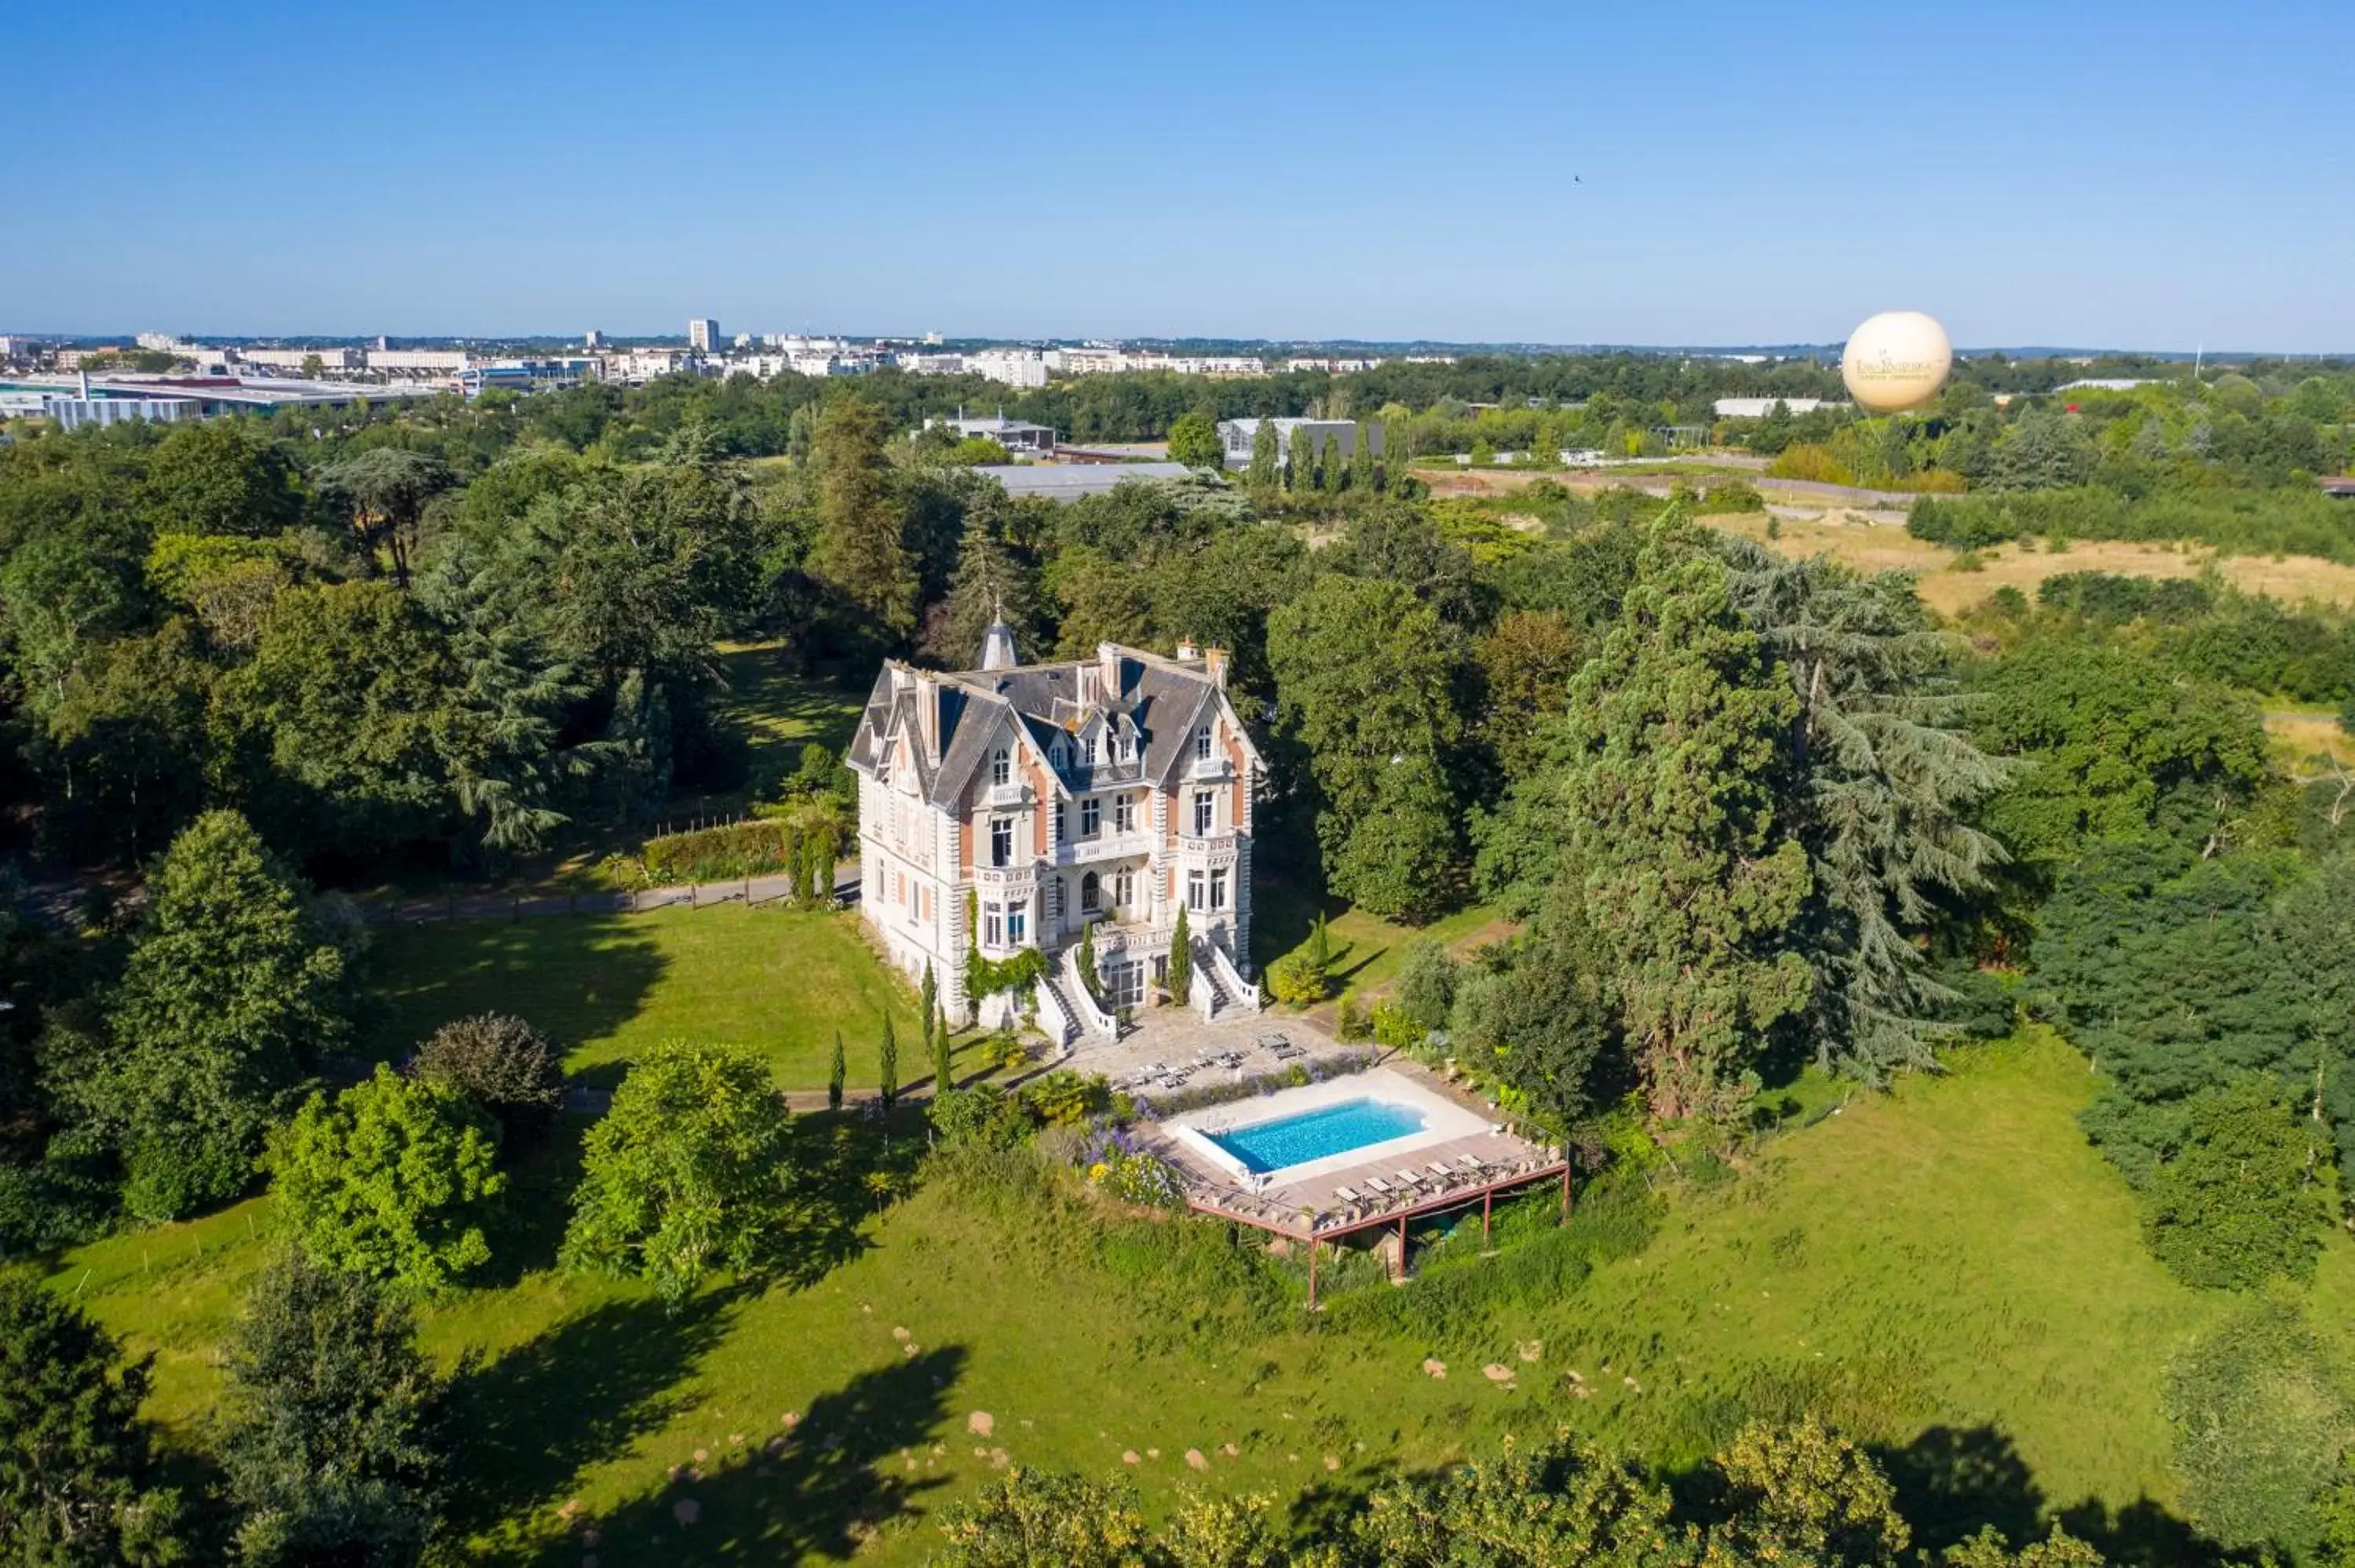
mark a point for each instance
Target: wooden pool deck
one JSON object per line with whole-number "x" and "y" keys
{"x": 1314, "y": 1210}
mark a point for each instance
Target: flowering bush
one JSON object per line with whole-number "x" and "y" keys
{"x": 1135, "y": 1177}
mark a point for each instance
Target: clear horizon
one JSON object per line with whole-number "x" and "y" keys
{"x": 2155, "y": 180}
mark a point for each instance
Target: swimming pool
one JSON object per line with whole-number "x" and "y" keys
{"x": 1337, "y": 1128}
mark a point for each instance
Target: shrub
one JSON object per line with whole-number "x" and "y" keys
{"x": 1295, "y": 981}
{"x": 983, "y": 1115}
{"x": 1426, "y": 985}
{"x": 716, "y": 855}
{"x": 1737, "y": 495}
{"x": 1967, "y": 561}
{"x": 1354, "y": 1024}
{"x": 2259, "y": 1425}
{"x": 1396, "y": 1029}
{"x": 500, "y": 1063}
{"x": 2235, "y": 1204}
{"x": 1809, "y": 461}
{"x": 1064, "y": 1098}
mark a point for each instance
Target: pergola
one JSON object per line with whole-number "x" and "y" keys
{"x": 1319, "y": 1227}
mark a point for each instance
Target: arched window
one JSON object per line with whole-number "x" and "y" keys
{"x": 1001, "y": 765}
{"x": 1090, "y": 894}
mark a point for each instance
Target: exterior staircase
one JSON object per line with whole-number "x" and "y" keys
{"x": 1071, "y": 990}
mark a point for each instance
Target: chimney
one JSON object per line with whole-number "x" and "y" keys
{"x": 1216, "y": 658}
{"x": 1187, "y": 650}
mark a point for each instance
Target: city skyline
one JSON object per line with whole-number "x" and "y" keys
{"x": 1367, "y": 176}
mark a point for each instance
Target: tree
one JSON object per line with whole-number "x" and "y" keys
{"x": 2238, "y": 1202}
{"x": 859, "y": 550}
{"x": 1525, "y": 663}
{"x": 384, "y": 491}
{"x": 1426, "y": 984}
{"x": 1537, "y": 1020}
{"x": 1557, "y": 1502}
{"x": 79, "y": 1486}
{"x": 1033, "y": 1517}
{"x": 1364, "y": 677}
{"x": 1194, "y": 442}
{"x": 498, "y": 1063}
{"x": 837, "y": 1074}
{"x": 936, "y": 1035}
{"x": 220, "y": 476}
{"x": 341, "y": 722}
{"x": 1267, "y": 463}
{"x": 1674, "y": 872}
{"x": 229, "y": 998}
{"x": 1300, "y": 468}
{"x": 1881, "y": 782}
{"x": 1180, "y": 977}
{"x": 1361, "y": 461}
{"x": 888, "y": 1071}
{"x": 991, "y": 582}
{"x": 2121, "y": 746}
{"x": 337, "y": 1442}
{"x": 392, "y": 1179}
{"x": 1806, "y": 1494}
{"x": 688, "y": 1172}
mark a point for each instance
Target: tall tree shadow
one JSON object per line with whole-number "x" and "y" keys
{"x": 857, "y": 1458}
{"x": 574, "y": 977}
{"x": 578, "y": 1394}
{"x": 848, "y": 1169}
{"x": 2145, "y": 1535}
{"x": 1952, "y": 1481}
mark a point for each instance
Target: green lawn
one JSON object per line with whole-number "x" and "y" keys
{"x": 605, "y": 987}
{"x": 1949, "y": 1270}
{"x": 1366, "y": 949}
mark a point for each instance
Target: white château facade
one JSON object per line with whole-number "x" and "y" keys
{"x": 1108, "y": 791}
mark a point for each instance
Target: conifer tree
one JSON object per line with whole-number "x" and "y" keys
{"x": 837, "y": 1074}
{"x": 1265, "y": 459}
{"x": 860, "y": 550}
{"x": 1302, "y": 475}
{"x": 1181, "y": 960}
{"x": 1882, "y": 782}
{"x": 1677, "y": 873}
{"x": 991, "y": 581}
{"x": 888, "y": 1075}
{"x": 936, "y": 1043}
{"x": 1361, "y": 464}
{"x": 942, "y": 1069}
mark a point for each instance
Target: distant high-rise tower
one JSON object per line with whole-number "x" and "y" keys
{"x": 592, "y": 338}
{"x": 703, "y": 335}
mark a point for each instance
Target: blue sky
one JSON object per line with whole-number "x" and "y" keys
{"x": 2153, "y": 175}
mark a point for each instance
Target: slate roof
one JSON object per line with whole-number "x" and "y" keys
{"x": 1164, "y": 699}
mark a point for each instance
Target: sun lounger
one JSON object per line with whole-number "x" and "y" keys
{"x": 1379, "y": 1185}
{"x": 1442, "y": 1171}
{"x": 1347, "y": 1194}
{"x": 1410, "y": 1179}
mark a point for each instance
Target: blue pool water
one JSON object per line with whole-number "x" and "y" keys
{"x": 1312, "y": 1135}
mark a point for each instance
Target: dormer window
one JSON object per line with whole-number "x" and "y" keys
{"x": 1202, "y": 744}
{"x": 1001, "y": 767}
{"x": 1088, "y": 751}
{"x": 1055, "y": 755}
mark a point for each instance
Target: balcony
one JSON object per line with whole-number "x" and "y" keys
{"x": 1103, "y": 847}
{"x": 1211, "y": 769}
{"x": 1013, "y": 793}
{"x": 1018, "y": 880}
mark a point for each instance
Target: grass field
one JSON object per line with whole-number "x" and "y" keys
{"x": 1886, "y": 547}
{"x": 605, "y": 987}
{"x": 1947, "y": 1270}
